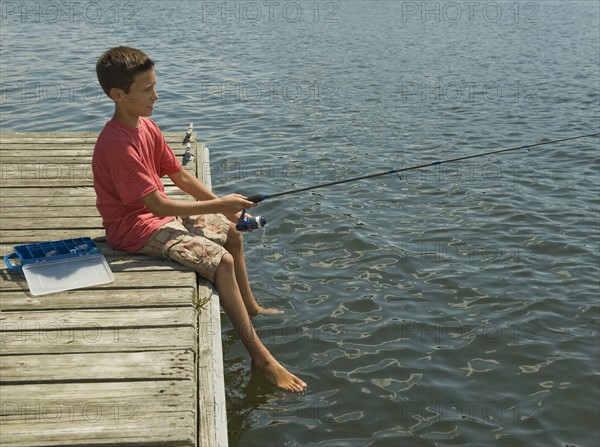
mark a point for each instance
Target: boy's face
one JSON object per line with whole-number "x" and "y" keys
{"x": 140, "y": 99}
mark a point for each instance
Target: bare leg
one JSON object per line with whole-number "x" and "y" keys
{"x": 263, "y": 362}
{"x": 235, "y": 246}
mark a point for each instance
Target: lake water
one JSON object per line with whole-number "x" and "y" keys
{"x": 455, "y": 306}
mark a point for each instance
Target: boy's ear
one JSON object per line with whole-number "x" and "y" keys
{"x": 117, "y": 94}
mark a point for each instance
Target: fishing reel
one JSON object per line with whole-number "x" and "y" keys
{"x": 246, "y": 224}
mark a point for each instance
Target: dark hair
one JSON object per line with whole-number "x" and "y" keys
{"x": 117, "y": 68}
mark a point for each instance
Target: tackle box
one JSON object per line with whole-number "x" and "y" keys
{"x": 55, "y": 266}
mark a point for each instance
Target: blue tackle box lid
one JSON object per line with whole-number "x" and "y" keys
{"x": 55, "y": 266}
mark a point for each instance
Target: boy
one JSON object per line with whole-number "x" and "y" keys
{"x": 129, "y": 159}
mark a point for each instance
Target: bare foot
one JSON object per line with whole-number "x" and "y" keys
{"x": 267, "y": 311}
{"x": 280, "y": 377}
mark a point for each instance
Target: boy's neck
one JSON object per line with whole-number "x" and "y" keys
{"x": 128, "y": 120}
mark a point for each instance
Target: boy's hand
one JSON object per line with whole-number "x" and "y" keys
{"x": 233, "y": 204}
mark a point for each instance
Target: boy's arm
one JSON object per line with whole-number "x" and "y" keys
{"x": 191, "y": 185}
{"x": 228, "y": 205}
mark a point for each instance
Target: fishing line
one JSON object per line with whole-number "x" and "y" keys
{"x": 260, "y": 197}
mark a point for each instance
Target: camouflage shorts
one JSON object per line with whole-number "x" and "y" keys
{"x": 195, "y": 241}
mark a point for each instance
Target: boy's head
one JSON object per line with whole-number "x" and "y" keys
{"x": 118, "y": 67}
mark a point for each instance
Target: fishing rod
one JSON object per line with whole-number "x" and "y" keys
{"x": 248, "y": 224}
{"x": 260, "y": 197}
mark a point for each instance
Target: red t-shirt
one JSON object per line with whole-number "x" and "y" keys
{"x": 128, "y": 163}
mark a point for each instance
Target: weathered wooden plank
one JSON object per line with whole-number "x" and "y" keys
{"x": 48, "y": 212}
{"x": 174, "y": 427}
{"x": 148, "y": 365}
{"x": 11, "y": 163}
{"x": 22, "y": 202}
{"x": 65, "y": 182}
{"x": 30, "y": 164}
{"x": 70, "y": 137}
{"x": 59, "y": 168}
{"x": 48, "y": 204}
{"x": 128, "y": 273}
{"x": 53, "y": 149}
{"x": 161, "y": 393}
{"x": 212, "y": 408}
{"x": 130, "y": 413}
{"x": 49, "y": 137}
{"x": 26, "y": 235}
{"x": 17, "y": 153}
{"x": 51, "y": 320}
{"x": 123, "y": 280}
{"x": 57, "y": 172}
{"x": 39, "y": 197}
{"x": 92, "y": 299}
{"x": 25, "y": 400}
{"x": 46, "y": 223}
{"x": 46, "y": 144}
{"x": 36, "y": 182}
{"x": 34, "y": 341}
{"x": 61, "y": 178}
{"x": 39, "y": 190}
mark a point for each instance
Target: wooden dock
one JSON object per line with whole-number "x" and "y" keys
{"x": 137, "y": 362}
